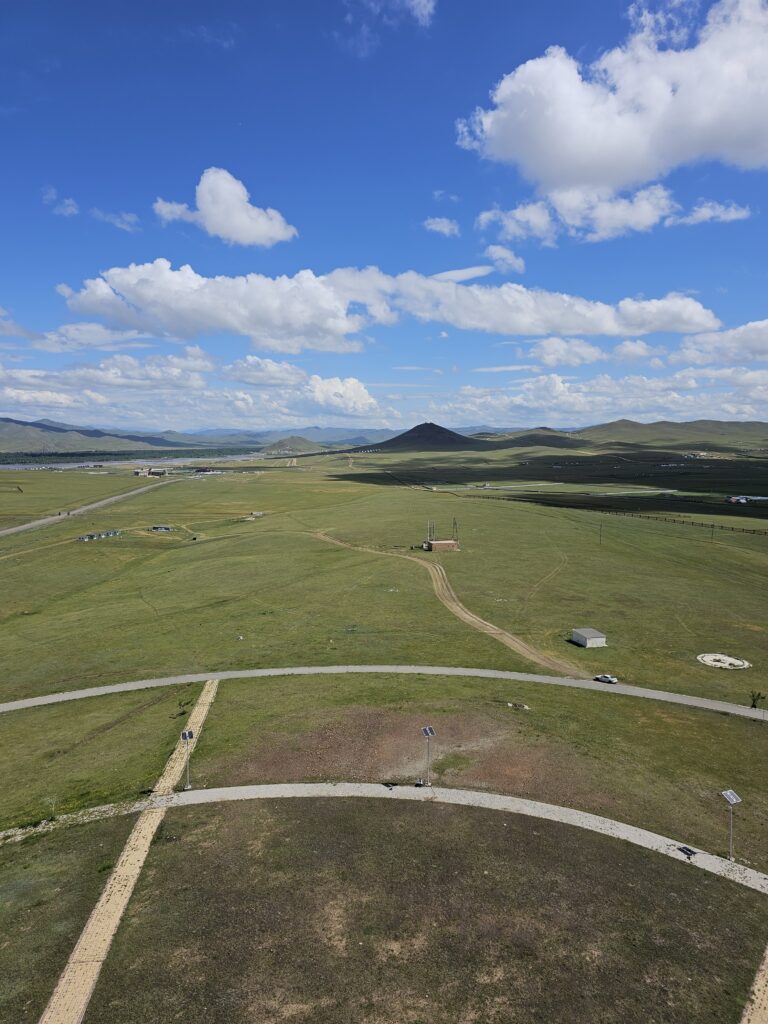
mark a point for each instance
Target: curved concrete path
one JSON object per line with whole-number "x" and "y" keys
{"x": 704, "y": 703}
{"x": 436, "y": 794}
{"x": 36, "y": 524}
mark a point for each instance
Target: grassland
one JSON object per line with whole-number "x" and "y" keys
{"x": 657, "y": 767}
{"x": 165, "y": 604}
{"x": 348, "y": 911}
{"x": 48, "y": 887}
{"x": 28, "y": 495}
{"x": 66, "y": 757}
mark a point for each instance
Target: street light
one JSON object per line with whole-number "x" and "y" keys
{"x": 732, "y": 799}
{"x": 428, "y": 732}
{"x": 187, "y": 735}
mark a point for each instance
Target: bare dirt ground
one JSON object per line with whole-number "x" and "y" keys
{"x": 446, "y": 595}
{"x": 756, "y": 1011}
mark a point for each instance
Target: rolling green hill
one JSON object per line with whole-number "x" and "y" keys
{"x": 696, "y": 433}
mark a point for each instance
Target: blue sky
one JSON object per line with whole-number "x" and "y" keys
{"x": 383, "y": 211}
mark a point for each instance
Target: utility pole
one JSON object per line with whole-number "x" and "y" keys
{"x": 187, "y": 735}
{"x": 428, "y": 732}
{"x": 732, "y": 799}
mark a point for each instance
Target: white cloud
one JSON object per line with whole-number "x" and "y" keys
{"x": 71, "y": 337}
{"x": 514, "y": 368}
{"x": 10, "y": 329}
{"x": 440, "y": 195}
{"x": 597, "y": 216}
{"x": 630, "y": 349}
{"x": 463, "y": 274}
{"x": 707, "y": 210}
{"x": 640, "y": 110}
{"x": 124, "y": 221}
{"x": 528, "y": 220}
{"x": 566, "y": 352}
{"x": 265, "y": 372}
{"x": 286, "y": 314}
{"x": 442, "y": 226}
{"x": 348, "y": 395}
{"x": 750, "y": 341}
{"x": 65, "y": 208}
{"x": 306, "y": 311}
{"x": 504, "y": 259}
{"x": 224, "y": 210}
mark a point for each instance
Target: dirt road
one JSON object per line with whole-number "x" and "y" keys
{"x": 445, "y": 593}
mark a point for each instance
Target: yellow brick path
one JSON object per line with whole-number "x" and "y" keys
{"x": 78, "y": 979}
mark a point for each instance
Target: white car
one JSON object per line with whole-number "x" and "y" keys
{"x": 606, "y": 679}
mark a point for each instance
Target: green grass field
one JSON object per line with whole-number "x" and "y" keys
{"x": 221, "y": 592}
{"x": 28, "y": 495}
{"x": 655, "y": 766}
{"x": 346, "y": 911}
{"x": 48, "y": 887}
{"x": 65, "y": 757}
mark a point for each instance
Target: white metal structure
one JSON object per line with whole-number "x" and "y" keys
{"x": 587, "y": 637}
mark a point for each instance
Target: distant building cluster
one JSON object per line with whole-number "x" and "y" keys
{"x": 150, "y": 471}
{"x": 99, "y": 536}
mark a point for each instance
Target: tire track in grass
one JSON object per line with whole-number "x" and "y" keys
{"x": 447, "y": 596}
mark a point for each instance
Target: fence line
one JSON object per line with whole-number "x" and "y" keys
{"x": 632, "y": 515}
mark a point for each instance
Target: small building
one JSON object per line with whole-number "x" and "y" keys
{"x": 161, "y": 529}
{"x": 142, "y": 471}
{"x": 587, "y": 637}
{"x": 157, "y": 471}
{"x": 440, "y": 545}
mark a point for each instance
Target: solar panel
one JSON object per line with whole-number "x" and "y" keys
{"x": 427, "y": 730}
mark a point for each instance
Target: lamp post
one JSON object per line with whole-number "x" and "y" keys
{"x": 732, "y": 799}
{"x": 187, "y": 735}
{"x": 428, "y": 732}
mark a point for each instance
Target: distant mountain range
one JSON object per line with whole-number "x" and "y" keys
{"x": 51, "y": 437}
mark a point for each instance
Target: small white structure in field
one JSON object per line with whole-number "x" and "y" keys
{"x": 587, "y": 637}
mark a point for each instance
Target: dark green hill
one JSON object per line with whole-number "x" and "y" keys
{"x": 696, "y": 433}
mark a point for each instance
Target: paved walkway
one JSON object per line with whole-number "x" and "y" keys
{"x": 75, "y": 987}
{"x": 471, "y": 798}
{"x": 36, "y": 524}
{"x": 723, "y": 707}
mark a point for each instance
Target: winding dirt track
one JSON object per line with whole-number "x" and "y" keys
{"x": 756, "y": 1010}
{"x": 446, "y": 595}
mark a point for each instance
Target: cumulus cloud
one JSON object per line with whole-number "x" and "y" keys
{"x": 747, "y": 342}
{"x": 707, "y": 211}
{"x": 463, "y": 274}
{"x": 124, "y": 221}
{"x": 10, "y": 329}
{"x": 71, "y": 337}
{"x": 307, "y": 311}
{"x": 442, "y": 226}
{"x": 587, "y": 137}
{"x": 224, "y": 210}
{"x": 528, "y": 220}
{"x": 735, "y": 394}
{"x": 640, "y": 110}
{"x": 265, "y": 372}
{"x": 348, "y": 395}
{"x": 598, "y": 217}
{"x": 635, "y": 349}
{"x": 504, "y": 259}
{"x": 566, "y": 352}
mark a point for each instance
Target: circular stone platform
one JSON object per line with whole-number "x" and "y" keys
{"x": 722, "y": 661}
